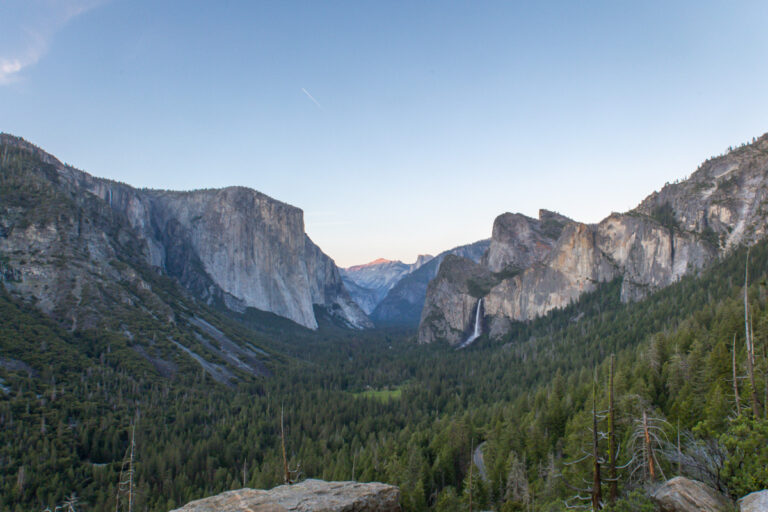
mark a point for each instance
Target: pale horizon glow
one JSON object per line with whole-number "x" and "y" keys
{"x": 432, "y": 119}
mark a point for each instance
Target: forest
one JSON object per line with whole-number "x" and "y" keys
{"x": 558, "y": 399}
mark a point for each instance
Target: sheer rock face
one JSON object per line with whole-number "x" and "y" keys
{"x": 306, "y": 496}
{"x": 550, "y": 262}
{"x": 727, "y": 195}
{"x": 650, "y": 256}
{"x": 454, "y": 294}
{"x": 684, "y": 495}
{"x": 518, "y": 241}
{"x": 574, "y": 266}
{"x": 232, "y": 245}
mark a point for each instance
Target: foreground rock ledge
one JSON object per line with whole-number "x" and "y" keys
{"x": 684, "y": 495}
{"x": 755, "y": 502}
{"x": 307, "y": 496}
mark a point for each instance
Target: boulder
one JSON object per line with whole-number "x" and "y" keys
{"x": 684, "y": 495}
{"x": 307, "y": 496}
{"x": 754, "y": 502}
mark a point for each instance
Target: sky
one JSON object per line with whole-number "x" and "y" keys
{"x": 398, "y": 127}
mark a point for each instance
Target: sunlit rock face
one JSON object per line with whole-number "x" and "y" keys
{"x": 574, "y": 266}
{"x": 678, "y": 230}
{"x": 234, "y": 246}
{"x": 517, "y": 241}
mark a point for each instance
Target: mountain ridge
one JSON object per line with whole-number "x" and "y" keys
{"x": 681, "y": 228}
{"x": 221, "y": 244}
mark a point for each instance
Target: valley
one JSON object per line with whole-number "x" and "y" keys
{"x": 203, "y": 317}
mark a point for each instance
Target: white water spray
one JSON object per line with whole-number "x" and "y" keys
{"x": 478, "y": 330}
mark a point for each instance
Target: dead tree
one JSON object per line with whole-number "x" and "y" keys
{"x": 647, "y": 438}
{"x": 125, "y": 485}
{"x": 679, "y": 451}
{"x": 750, "y": 343}
{"x": 648, "y": 447}
{"x": 70, "y": 503}
{"x": 594, "y": 493}
{"x": 736, "y": 380}
{"x": 288, "y": 474}
{"x": 612, "y": 478}
{"x": 471, "y": 463}
{"x": 700, "y": 459}
{"x": 597, "y": 493}
{"x": 765, "y": 378}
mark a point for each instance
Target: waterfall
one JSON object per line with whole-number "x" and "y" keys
{"x": 478, "y": 330}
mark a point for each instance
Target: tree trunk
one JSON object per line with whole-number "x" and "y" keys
{"x": 750, "y": 343}
{"x": 679, "y": 452}
{"x": 471, "y": 463}
{"x": 648, "y": 449}
{"x": 597, "y": 494}
{"x": 286, "y": 473}
{"x": 735, "y": 380}
{"x": 613, "y": 489}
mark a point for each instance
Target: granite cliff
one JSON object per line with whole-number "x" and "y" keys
{"x": 234, "y": 246}
{"x": 538, "y": 265}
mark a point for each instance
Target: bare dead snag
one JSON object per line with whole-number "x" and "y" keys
{"x": 613, "y": 484}
{"x": 471, "y": 463}
{"x": 750, "y": 343}
{"x": 679, "y": 451}
{"x": 125, "y": 485}
{"x": 648, "y": 448}
{"x": 286, "y": 473}
{"x": 597, "y": 495}
{"x": 735, "y": 380}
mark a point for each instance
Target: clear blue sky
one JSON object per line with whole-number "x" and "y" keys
{"x": 398, "y": 127}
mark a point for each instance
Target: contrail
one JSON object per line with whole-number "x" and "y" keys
{"x": 312, "y": 98}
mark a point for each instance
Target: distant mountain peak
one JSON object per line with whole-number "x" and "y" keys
{"x": 376, "y": 262}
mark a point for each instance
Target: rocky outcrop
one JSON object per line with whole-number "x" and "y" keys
{"x": 518, "y": 241}
{"x": 550, "y": 262}
{"x": 684, "y": 495}
{"x": 404, "y": 303}
{"x": 233, "y": 246}
{"x": 725, "y": 200}
{"x": 648, "y": 255}
{"x": 306, "y": 496}
{"x": 65, "y": 250}
{"x": 754, "y": 502}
